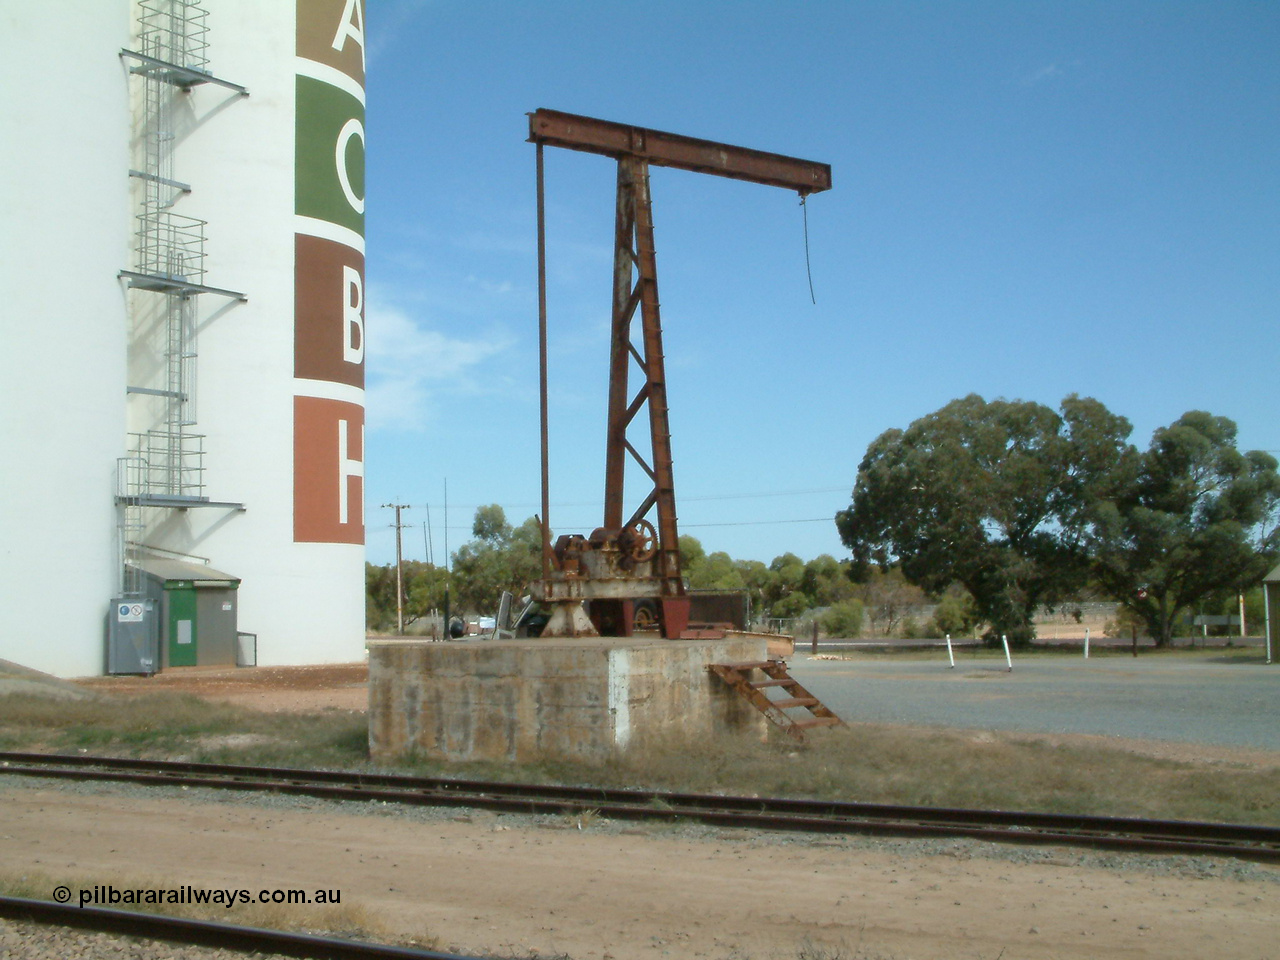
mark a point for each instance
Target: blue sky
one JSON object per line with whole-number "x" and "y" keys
{"x": 1030, "y": 199}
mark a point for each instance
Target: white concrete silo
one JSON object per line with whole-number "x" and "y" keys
{"x": 228, "y": 139}
{"x": 64, "y": 235}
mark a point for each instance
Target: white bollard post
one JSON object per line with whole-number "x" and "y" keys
{"x": 950, "y": 656}
{"x": 1086, "y": 643}
{"x": 1266, "y": 600}
{"x": 1008, "y": 659}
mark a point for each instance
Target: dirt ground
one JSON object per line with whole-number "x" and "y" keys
{"x": 273, "y": 689}
{"x": 486, "y": 883}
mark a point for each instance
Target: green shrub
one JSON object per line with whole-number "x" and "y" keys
{"x": 843, "y": 619}
{"x": 954, "y": 616}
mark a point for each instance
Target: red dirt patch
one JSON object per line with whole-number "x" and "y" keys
{"x": 341, "y": 686}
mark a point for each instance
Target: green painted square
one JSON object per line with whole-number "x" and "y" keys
{"x": 321, "y": 189}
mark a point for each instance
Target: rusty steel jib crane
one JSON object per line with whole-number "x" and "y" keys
{"x": 628, "y": 569}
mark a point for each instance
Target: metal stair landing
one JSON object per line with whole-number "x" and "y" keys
{"x": 795, "y": 697}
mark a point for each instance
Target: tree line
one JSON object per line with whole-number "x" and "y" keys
{"x": 500, "y": 557}
{"x": 1023, "y": 507}
{"x": 990, "y": 510}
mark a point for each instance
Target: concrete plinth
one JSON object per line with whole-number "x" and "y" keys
{"x": 528, "y": 700}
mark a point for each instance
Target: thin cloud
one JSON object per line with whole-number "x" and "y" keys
{"x": 389, "y": 25}
{"x": 408, "y": 363}
{"x": 1046, "y": 74}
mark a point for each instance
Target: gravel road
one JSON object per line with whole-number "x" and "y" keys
{"x": 1186, "y": 700}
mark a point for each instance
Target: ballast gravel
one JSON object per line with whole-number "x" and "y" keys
{"x": 38, "y": 941}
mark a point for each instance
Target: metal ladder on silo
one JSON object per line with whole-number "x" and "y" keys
{"x": 165, "y": 463}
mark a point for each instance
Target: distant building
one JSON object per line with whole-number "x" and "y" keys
{"x": 183, "y": 268}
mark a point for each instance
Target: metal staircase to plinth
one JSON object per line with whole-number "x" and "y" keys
{"x": 796, "y": 697}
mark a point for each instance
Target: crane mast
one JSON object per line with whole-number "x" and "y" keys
{"x": 628, "y": 569}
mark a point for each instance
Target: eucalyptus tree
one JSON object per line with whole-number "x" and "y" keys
{"x": 501, "y": 557}
{"x": 1196, "y": 520}
{"x": 995, "y": 496}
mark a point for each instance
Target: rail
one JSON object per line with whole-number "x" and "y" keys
{"x": 224, "y": 936}
{"x": 815, "y": 816}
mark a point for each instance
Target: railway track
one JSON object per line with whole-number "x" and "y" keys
{"x": 814, "y": 816}
{"x": 221, "y": 936}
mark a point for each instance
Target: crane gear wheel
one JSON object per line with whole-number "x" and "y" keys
{"x": 644, "y": 543}
{"x": 646, "y": 616}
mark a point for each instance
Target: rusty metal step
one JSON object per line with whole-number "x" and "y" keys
{"x": 787, "y": 704}
{"x": 735, "y": 675}
{"x": 818, "y": 722}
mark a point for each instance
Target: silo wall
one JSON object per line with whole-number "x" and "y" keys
{"x": 64, "y": 235}
{"x": 278, "y": 385}
{"x": 282, "y": 375}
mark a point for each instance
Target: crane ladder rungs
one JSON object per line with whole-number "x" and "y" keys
{"x": 739, "y": 677}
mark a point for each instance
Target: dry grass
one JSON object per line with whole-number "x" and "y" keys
{"x": 869, "y": 762}
{"x": 886, "y": 764}
{"x": 169, "y": 725}
{"x": 810, "y": 949}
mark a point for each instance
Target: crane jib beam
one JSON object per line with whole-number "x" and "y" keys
{"x": 673, "y": 150}
{"x": 635, "y": 290}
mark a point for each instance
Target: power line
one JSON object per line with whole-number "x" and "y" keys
{"x": 778, "y": 493}
{"x": 758, "y": 523}
{"x": 709, "y": 497}
{"x": 689, "y": 526}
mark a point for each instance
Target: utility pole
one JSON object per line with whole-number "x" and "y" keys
{"x": 397, "y": 507}
{"x": 446, "y": 559}
{"x": 431, "y": 546}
